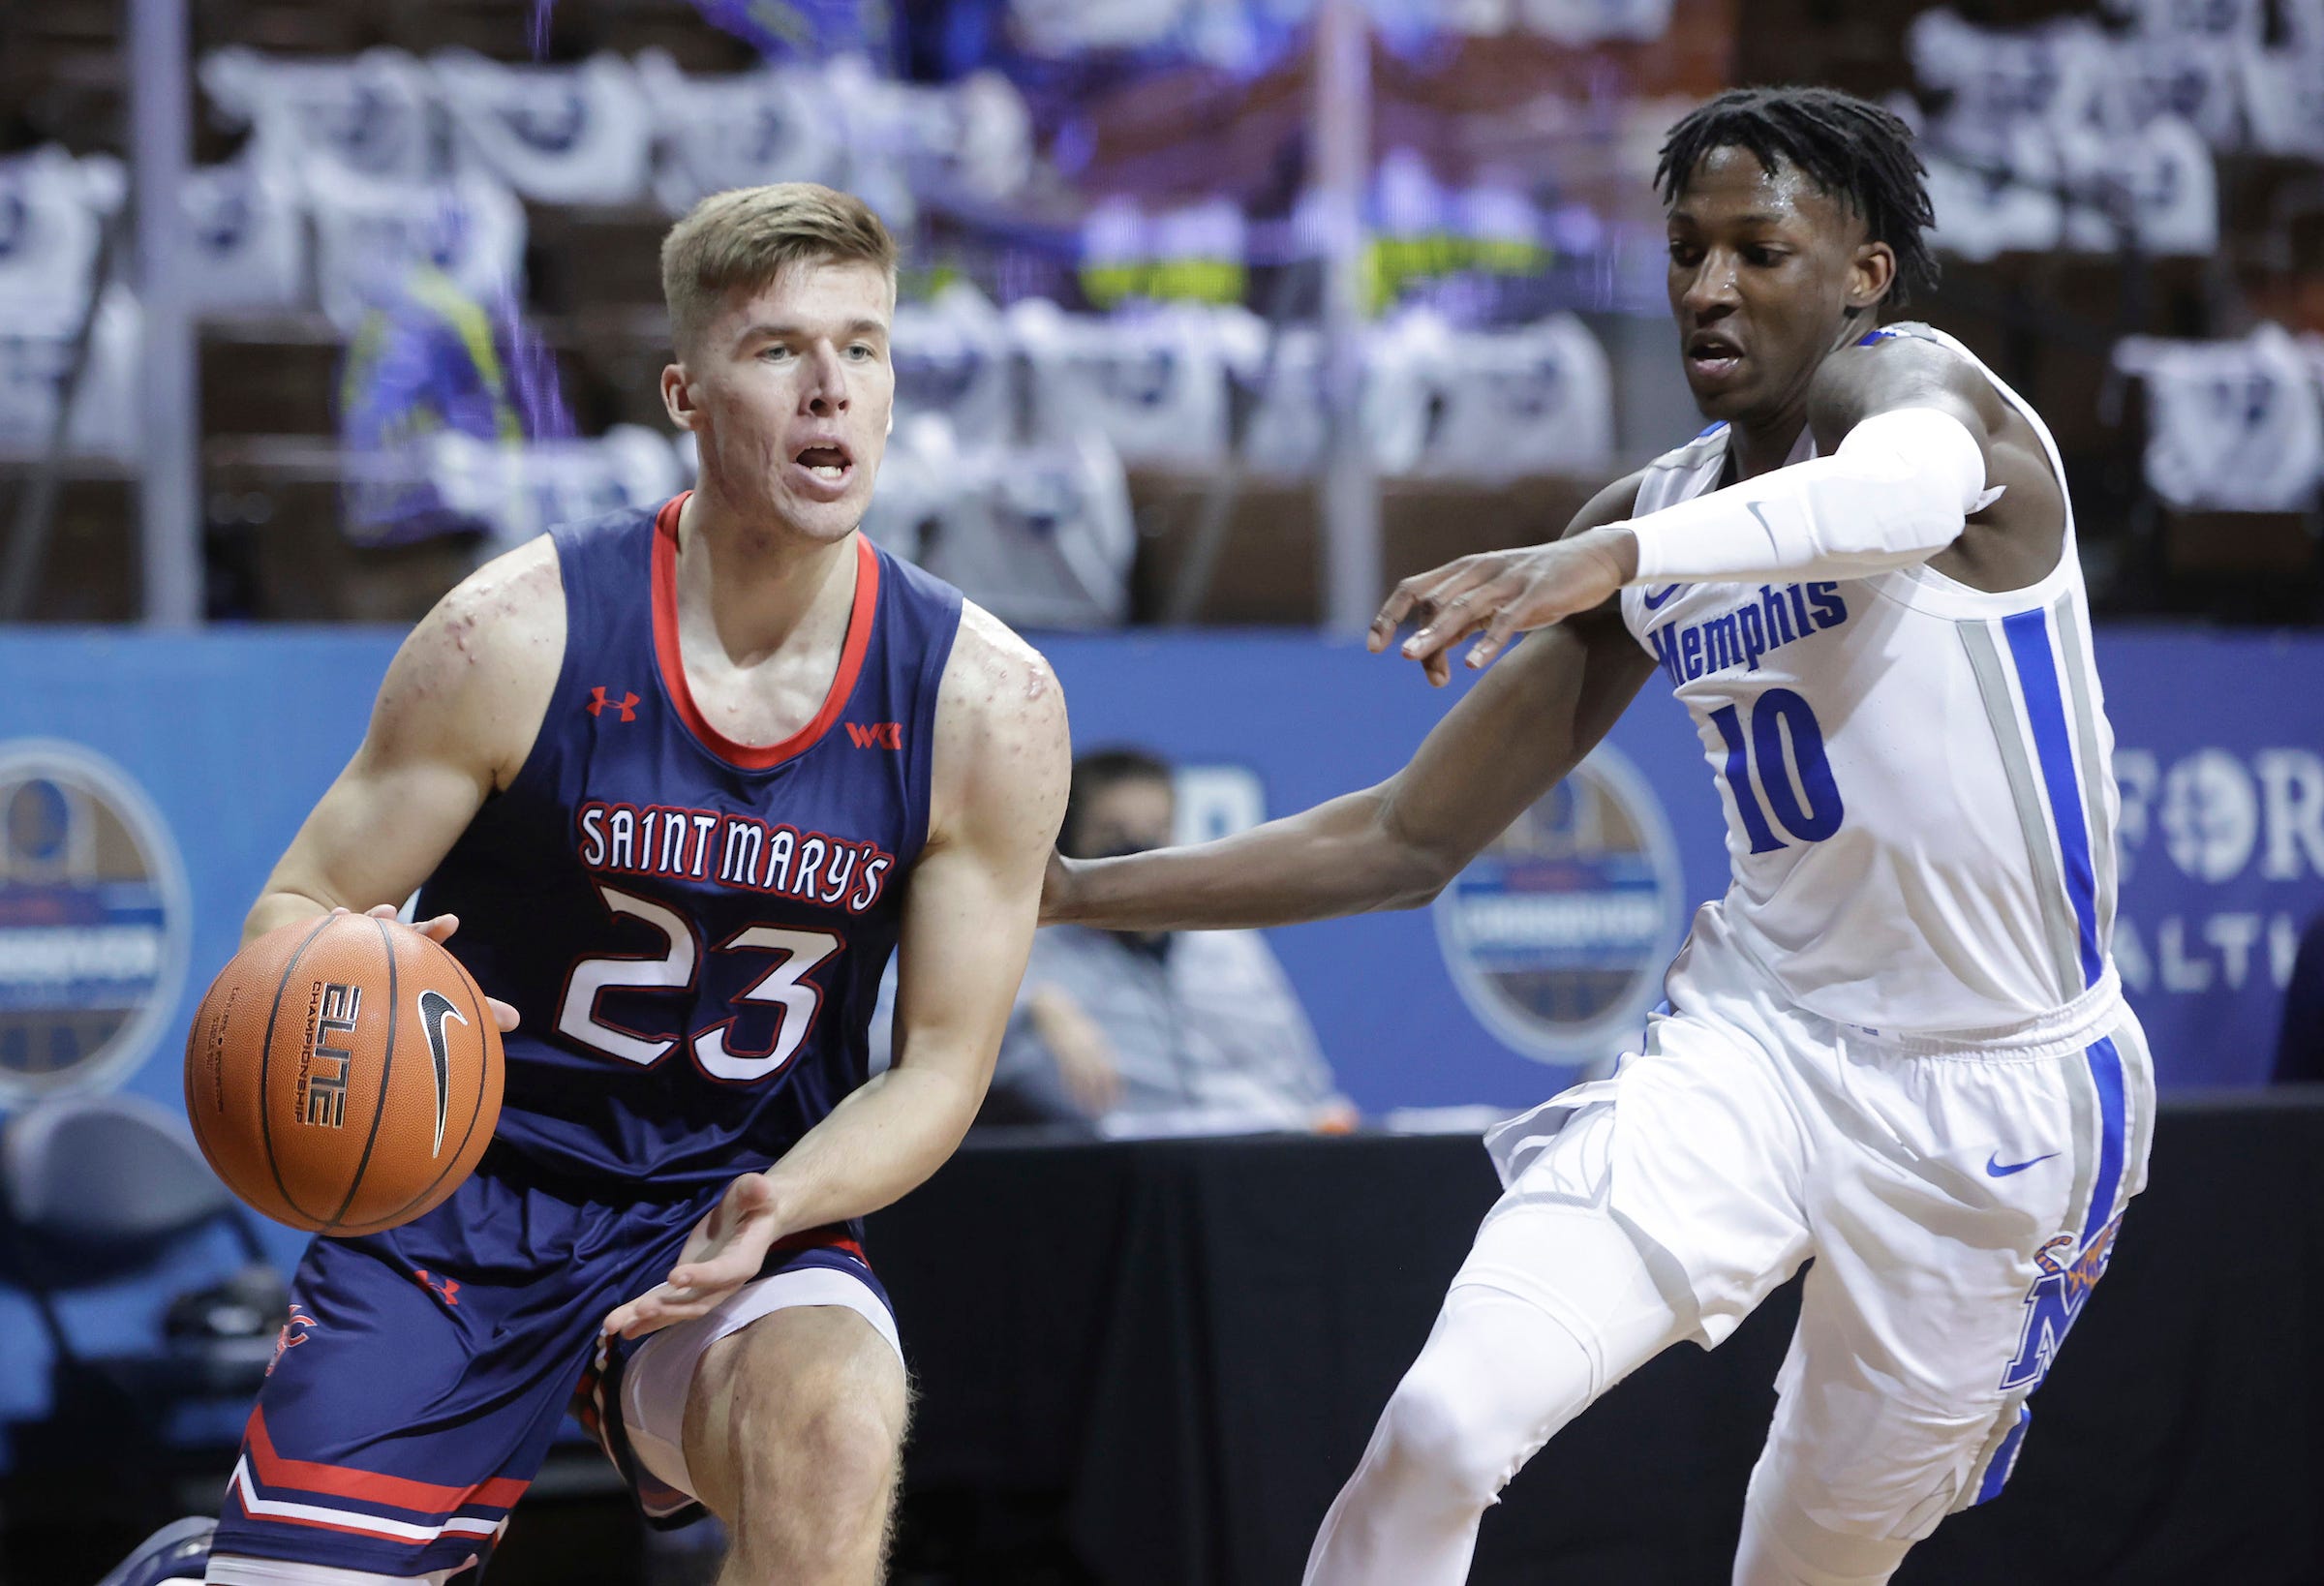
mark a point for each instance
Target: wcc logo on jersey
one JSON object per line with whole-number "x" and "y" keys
{"x": 94, "y": 921}
{"x": 1558, "y": 934}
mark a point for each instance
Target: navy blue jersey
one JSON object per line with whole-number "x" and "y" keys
{"x": 693, "y": 930}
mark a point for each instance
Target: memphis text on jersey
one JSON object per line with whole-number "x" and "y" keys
{"x": 1688, "y": 650}
{"x": 733, "y": 850}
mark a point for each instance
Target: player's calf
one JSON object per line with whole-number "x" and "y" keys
{"x": 794, "y": 1429}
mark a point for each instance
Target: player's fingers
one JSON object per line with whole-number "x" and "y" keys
{"x": 726, "y": 1271}
{"x": 1457, "y": 619}
{"x": 1456, "y": 609}
{"x": 638, "y": 1317}
{"x": 622, "y": 1319}
{"x": 1495, "y": 638}
{"x": 1439, "y": 668}
{"x": 661, "y": 1305}
{"x": 1424, "y": 597}
{"x": 502, "y": 1014}
{"x": 1394, "y": 609}
{"x": 438, "y": 930}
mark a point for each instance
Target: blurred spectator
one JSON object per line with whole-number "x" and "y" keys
{"x": 2300, "y": 1045}
{"x": 1195, "y": 1031}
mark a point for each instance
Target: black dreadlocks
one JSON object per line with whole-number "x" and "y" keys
{"x": 1852, "y": 149}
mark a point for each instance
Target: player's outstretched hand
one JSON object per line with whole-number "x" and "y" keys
{"x": 438, "y": 930}
{"x": 721, "y": 1254}
{"x": 1498, "y": 595}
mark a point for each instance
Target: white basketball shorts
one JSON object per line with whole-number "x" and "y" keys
{"x": 1959, "y": 1198}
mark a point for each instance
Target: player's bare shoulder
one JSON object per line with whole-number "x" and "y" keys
{"x": 1869, "y": 375}
{"x": 472, "y": 679}
{"x": 1003, "y": 747}
{"x": 2016, "y": 538}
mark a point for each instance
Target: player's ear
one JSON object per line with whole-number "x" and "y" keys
{"x": 1870, "y": 274}
{"x": 677, "y": 396}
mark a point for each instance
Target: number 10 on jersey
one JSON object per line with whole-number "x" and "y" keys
{"x": 1800, "y": 792}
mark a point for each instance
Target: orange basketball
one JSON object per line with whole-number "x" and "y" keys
{"x": 343, "y": 1074}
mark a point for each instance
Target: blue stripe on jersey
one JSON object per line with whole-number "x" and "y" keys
{"x": 2004, "y": 1459}
{"x": 2106, "y": 1070}
{"x": 2029, "y": 635}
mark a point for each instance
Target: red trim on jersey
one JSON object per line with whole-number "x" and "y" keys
{"x": 754, "y": 756}
{"x": 350, "y": 1528}
{"x": 818, "y": 1238}
{"x": 343, "y": 1481}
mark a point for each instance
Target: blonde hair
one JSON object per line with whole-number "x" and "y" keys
{"x": 748, "y": 235}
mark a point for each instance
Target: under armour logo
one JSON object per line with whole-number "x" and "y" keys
{"x": 445, "y": 1289}
{"x": 599, "y": 704}
{"x": 887, "y": 735}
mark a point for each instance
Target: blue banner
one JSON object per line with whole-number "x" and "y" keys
{"x": 148, "y": 785}
{"x": 227, "y": 741}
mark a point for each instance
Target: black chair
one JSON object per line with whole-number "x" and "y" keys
{"x": 96, "y": 1190}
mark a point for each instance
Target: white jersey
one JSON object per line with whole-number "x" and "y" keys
{"x": 1916, "y": 777}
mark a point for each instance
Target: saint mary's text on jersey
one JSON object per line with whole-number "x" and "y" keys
{"x": 733, "y": 850}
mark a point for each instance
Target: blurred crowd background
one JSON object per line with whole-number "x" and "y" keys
{"x": 415, "y": 241}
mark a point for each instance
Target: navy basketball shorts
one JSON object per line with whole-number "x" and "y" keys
{"x": 424, "y": 1372}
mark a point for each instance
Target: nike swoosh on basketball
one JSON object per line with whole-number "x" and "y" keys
{"x": 434, "y": 1009}
{"x": 1996, "y": 1167}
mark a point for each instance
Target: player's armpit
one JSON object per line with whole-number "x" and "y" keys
{"x": 454, "y": 719}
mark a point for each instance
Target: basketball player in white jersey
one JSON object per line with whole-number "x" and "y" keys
{"x": 1898, "y": 1044}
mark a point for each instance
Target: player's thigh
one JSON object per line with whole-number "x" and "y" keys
{"x": 1693, "y": 1148}
{"x": 807, "y": 1396}
{"x": 1956, "y": 1247}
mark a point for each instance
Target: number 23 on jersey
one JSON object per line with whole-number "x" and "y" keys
{"x": 784, "y": 986}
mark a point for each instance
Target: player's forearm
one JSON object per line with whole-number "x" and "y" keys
{"x": 1344, "y": 857}
{"x": 881, "y": 1142}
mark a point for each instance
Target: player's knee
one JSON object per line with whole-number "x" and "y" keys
{"x": 854, "y": 1442}
{"x": 1786, "y": 1543}
{"x": 831, "y": 1459}
{"x": 1442, "y": 1435}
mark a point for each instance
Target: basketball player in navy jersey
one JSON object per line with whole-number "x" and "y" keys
{"x": 1897, "y": 1044}
{"x": 668, "y": 773}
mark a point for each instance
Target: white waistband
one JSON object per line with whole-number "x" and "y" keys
{"x": 2065, "y": 1028}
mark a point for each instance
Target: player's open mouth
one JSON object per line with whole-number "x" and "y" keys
{"x": 830, "y": 465}
{"x": 1711, "y": 357}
